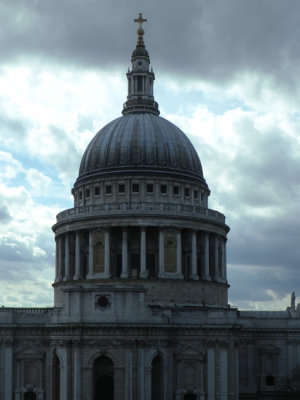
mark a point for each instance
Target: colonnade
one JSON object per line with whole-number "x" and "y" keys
{"x": 197, "y": 255}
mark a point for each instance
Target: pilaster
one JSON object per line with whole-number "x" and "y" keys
{"x": 8, "y": 374}
{"x": 210, "y": 373}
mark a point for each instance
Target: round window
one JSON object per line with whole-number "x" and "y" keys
{"x": 103, "y": 301}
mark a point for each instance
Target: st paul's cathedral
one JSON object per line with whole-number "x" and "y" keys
{"x": 140, "y": 292}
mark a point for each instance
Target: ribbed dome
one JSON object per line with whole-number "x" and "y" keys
{"x": 140, "y": 143}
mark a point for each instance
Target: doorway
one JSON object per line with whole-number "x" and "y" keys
{"x": 103, "y": 379}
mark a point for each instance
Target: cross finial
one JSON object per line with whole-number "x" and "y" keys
{"x": 140, "y": 20}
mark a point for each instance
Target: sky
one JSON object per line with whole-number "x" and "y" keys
{"x": 227, "y": 73}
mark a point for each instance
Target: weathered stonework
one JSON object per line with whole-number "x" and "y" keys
{"x": 140, "y": 294}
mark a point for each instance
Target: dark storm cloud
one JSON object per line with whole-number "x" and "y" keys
{"x": 215, "y": 39}
{"x": 262, "y": 241}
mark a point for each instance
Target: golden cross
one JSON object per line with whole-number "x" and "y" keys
{"x": 140, "y": 20}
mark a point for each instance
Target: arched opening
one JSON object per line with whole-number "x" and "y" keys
{"x": 270, "y": 380}
{"x": 103, "y": 379}
{"x": 29, "y": 396}
{"x": 190, "y": 396}
{"x": 55, "y": 378}
{"x": 157, "y": 376}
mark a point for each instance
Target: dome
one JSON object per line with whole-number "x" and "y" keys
{"x": 140, "y": 143}
{"x": 140, "y": 52}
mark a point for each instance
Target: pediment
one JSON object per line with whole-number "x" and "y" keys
{"x": 269, "y": 349}
{"x": 189, "y": 351}
{"x": 29, "y": 350}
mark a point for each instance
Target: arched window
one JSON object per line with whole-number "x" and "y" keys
{"x": 55, "y": 378}
{"x": 270, "y": 380}
{"x": 157, "y": 379}
{"x": 190, "y": 396}
{"x": 29, "y": 396}
{"x": 103, "y": 379}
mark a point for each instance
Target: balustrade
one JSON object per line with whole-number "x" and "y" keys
{"x": 129, "y": 208}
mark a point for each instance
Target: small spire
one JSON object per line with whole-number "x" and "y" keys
{"x": 140, "y": 97}
{"x": 140, "y": 32}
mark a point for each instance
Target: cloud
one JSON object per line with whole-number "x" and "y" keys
{"x": 226, "y": 72}
{"x": 251, "y": 163}
{"x": 211, "y": 40}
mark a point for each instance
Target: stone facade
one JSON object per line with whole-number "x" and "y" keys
{"x": 140, "y": 293}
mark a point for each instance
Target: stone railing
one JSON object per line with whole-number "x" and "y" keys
{"x": 22, "y": 314}
{"x": 138, "y": 209}
{"x": 29, "y": 311}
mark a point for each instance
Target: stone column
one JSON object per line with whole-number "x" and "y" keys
{"x": 210, "y": 373}
{"x": 65, "y": 376}
{"x": 194, "y": 274}
{"x": 48, "y": 372}
{"x": 91, "y": 254}
{"x": 216, "y": 257}
{"x": 161, "y": 253}
{"x": 206, "y": 257}
{"x": 67, "y": 258}
{"x": 223, "y": 374}
{"x": 8, "y": 371}
{"x": 147, "y": 389}
{"x": 179, "y": 255}
{"x": 224, "y": 277}
{"x": 124, "y": 273}
{"x": 60, "y": 261}
{"x": 291, "y": 353}
{"x": 201, "y": 378}
{"x": 56, "y": 260}
{"x": 251, "y": 373}
{"x": 77, "y": 372}
{"x": 128, "y": 375}
{"x": 143, "y": 273}
{"x": 77, "y": 255}
{"x": 118, "y": 373}
{"x": 237, "y": 389}
{"x": 107, "y": 253}
{"x": 141, "y": 374}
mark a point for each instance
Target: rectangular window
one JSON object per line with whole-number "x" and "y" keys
{"x": 202, "y": 196}
{"x": 163, "y": 189}
{"x": 87, "y": 193}
{"x": 135, "y": 188}
{"x": 121, "y": 188}
{"x": 187, "y": 192}
{"x": 97, "y": 190}
{"x": 176, "y": 190}
{"x": 196, "y": 194}
{"x": 149, "y": 188}
{"x": 108, "y": 189}
{"x": 80, "y": 195}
